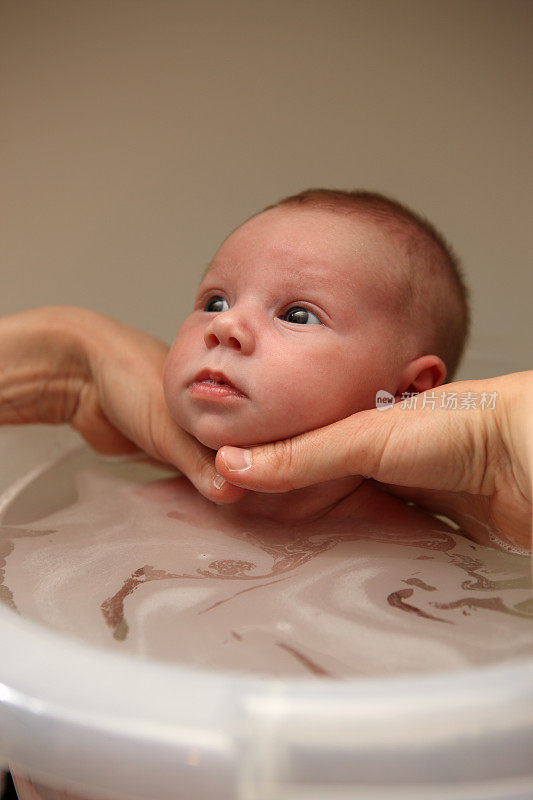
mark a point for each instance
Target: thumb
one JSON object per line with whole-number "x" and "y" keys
{"x": 400, "y": 446}
{"x": 347, "y": 447}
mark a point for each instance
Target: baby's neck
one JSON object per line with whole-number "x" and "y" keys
{"x": 299, "y": 505}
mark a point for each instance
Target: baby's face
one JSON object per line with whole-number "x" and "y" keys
{"x": 297, "y": 313}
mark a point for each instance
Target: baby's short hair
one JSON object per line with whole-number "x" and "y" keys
{"x": 436, "y": 292}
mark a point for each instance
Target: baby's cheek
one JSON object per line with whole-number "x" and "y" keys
{"x": 300, "y": 406}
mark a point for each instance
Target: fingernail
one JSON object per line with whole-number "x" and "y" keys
{"x": 218, "y": 481}
{"x": 235, "y": 459}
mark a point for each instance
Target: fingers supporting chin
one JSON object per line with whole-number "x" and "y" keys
{"x": 221, "y": 491}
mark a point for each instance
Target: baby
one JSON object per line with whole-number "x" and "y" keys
{"x": 306, "y": 311}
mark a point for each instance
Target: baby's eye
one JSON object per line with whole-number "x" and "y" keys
{"x": 301, "y": 316}
{"x": 216, "y": 303}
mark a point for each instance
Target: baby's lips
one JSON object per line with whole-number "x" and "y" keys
{"x": 217, "y": 376}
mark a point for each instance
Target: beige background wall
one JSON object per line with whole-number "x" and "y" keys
{"x": 136, "y": 134}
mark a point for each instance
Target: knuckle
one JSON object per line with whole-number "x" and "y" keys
{"x": 282, "y": 459}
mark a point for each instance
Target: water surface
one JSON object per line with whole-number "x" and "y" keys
{"x": 115, "y": 556}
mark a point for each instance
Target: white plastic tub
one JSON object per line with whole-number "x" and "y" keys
{"x": 75, "y": 718}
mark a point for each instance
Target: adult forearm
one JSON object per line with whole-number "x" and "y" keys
{"x": 43, "y": 364}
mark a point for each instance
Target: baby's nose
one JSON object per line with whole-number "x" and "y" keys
{"x": 228, "y": 330}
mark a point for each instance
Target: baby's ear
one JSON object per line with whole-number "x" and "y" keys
{"x": 422, "y": 374}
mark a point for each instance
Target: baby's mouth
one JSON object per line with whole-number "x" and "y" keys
{"x": 217, "y": 380}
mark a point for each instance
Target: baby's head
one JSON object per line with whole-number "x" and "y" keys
{"x": 308, "y": 309}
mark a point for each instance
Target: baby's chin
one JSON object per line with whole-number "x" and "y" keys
{"x": 215, "y": 431}
{"x": 216, "y": 441}
{"x": 215, "y": 434}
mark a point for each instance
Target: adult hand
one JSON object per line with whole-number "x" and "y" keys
{"x": 472, "y": 464}
{"x": 65, "y": 364}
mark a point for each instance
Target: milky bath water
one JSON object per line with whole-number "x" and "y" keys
{"x": 121, "y": 557}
